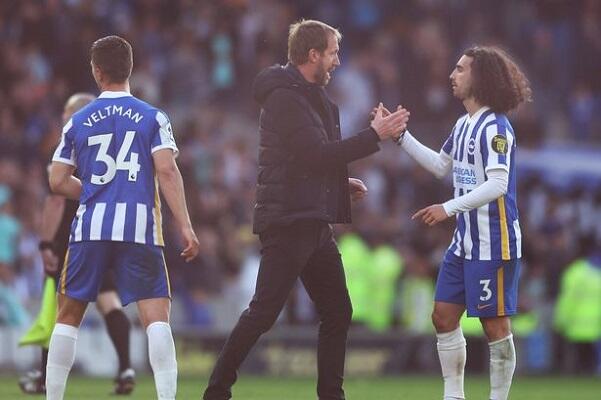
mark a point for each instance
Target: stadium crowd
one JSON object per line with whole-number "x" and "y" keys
{"x": 197, "y": 60}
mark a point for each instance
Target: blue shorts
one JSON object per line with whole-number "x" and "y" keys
{"x": 486, "y": 288}
{"x": 140, "y": 271}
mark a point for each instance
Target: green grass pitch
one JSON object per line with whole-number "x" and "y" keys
{"x": 385, "y": 388}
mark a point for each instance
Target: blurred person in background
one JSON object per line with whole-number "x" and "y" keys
{"x": 481, "y": 267}
{"x": 417, "y": 287}
{"x": 124, "y": 151}
{"x": 12, "y": 312}
{"x": 57, "y": 216}
{"x": 43, "y": 60}
{"x": 384, "y": 269}
{"x": 577, "y": 315}
{"x": 303, "y": 186}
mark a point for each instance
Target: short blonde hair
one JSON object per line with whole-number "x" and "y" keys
{"x": 305, "y": 35}
{"x": 78, "y": 101}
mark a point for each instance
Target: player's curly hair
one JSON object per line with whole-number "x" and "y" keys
{"x": 497, "y": 81}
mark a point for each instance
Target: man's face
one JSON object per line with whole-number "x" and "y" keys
{"x": 461, "y": 78}
{"x": 327, "y": 62}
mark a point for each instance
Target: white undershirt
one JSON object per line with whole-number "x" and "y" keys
{"x": 440, "y": 165}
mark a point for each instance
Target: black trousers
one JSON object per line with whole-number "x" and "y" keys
{"x": 305, "y": 249}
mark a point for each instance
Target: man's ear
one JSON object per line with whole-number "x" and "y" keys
{"x": 313, "y": 56}
{"x": 97, "y": 72}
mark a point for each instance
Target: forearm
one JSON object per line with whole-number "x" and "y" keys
{"x": 62, "y": 181}
{"x": 322, "y": 156}
{"x": 492, "y": 189}
{"x": 438, "y": 164}
{"x": 70, "y": 187}
{"x": 288, "y": 120}
{"x": 172, "y": 187}
{"x": 52, "y": 213}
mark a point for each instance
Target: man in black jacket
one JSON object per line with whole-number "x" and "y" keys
{"x": 303, "y": 186}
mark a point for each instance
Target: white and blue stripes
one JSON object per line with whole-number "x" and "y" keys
{"x": 121, "y": 222}
{"x": 492, "y": 231}
{"x": 112, "y": 141}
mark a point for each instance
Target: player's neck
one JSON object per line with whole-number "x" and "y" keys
{"x": 471, "y": 106}
{"x": 115, "y": 87}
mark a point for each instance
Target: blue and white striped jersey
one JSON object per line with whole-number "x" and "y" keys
{"x": 484, "y": 142}
{"x": 110, "y": 142}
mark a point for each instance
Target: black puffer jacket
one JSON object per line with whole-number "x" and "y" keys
{"x": 302, "y": 159}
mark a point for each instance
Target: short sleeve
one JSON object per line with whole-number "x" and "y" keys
{"x": 495, "y": 144}
{"x": 163, "y": 137}
{"x": 65, "y": 152}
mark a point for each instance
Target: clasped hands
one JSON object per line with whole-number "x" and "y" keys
{"x": 389, "y": 125}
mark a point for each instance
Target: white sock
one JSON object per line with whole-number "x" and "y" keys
{"x": 502, "y": 365}
{"x": 61, "y": 354}
{"x": 161, "y": 353}
{"x": 452, "y": 354}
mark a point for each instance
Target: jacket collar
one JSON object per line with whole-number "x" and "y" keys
{"x": 298, "y": 77}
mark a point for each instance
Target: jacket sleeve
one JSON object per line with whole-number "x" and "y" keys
{"x": 307, "y": 142}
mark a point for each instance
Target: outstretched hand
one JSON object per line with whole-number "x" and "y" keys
{"x": 374, "y": 111}
{"x": 389, "y": 125}
{"x": 431, "y": 215}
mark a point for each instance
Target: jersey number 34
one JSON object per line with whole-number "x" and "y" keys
{"x": 113, "y": 165}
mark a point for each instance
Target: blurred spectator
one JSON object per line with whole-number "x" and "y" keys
{"x": 12, "y": 312}
{"x": 197, "y": 59}
{"x": 578, "y": 310}
{"x": 417, "y": 289}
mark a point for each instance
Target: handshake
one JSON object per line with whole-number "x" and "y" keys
{"x": 389, "y": 125}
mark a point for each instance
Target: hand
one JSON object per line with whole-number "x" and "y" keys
{"x": 50, "y": 261}
{"x": 387, "y": 126}
{"x": 431, "y": 215}
{"x": 357, "y": 188}
{"x": 398, "y": 134}
{"x": 385, "y": 112}
{"x": 192, "y": 247}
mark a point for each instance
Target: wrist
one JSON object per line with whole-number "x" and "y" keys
{"x": 375, "y": 133}
{"x": 45, "y": 245}
{"x": 448, "y": 208}
{"x": 399, "y": 140}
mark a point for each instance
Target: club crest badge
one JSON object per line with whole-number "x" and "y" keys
{"x": 471, "y": 146}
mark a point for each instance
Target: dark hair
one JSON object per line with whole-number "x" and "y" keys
{"x": 497, "y": 81}
{"x": 113, "y": 56}
{"x": 305, "y": 35}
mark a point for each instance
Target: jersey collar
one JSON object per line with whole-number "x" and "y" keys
{"x": 477, "y": 114}
{"x": 112, "y": 95}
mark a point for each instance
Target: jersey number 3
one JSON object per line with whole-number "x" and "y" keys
{"x": 132, "y": 167}
{"x": 486, "y": 292}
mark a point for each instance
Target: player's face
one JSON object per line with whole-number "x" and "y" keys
{"x": 461, "y": 78}
{"x": 327, "y": 62}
